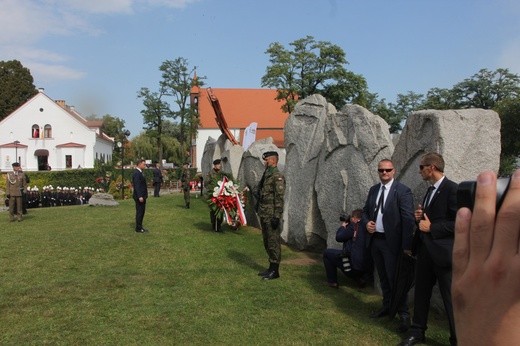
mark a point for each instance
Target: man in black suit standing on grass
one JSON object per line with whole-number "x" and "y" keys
{"x": 140, "y": 194}
{"x": 434, "y": 239}
{"x": 389, "y": 212}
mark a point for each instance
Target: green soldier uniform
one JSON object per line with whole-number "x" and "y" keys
{"x": 185, "y": 180}
{"x": 15, "y": 186}
{"x": 270, "y": 192}
{"x": 214, "y": 176}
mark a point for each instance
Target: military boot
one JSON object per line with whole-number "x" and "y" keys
{"x": 265, "y": 272}
{"x": 273, "y": 273}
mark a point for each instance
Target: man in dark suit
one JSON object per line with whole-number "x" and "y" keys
{"x": 389, "y": 211}
{"x": 434, "y": 240}
{"x": 140, "y": 194}
{"x": 157, "y": 179}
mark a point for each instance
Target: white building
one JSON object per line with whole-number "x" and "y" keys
{"x": 43, "y": 132}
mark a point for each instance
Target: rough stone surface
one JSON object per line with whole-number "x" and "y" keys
{"x": 355, "y": 141}
{"x": 304, "y": 136}
{"x": 468, "y": 139}
{"x": 231, "y": 158}
{"x": 251, "y": 170}
{"x": 221, "y": 148}
{"x": 102, "y": 199}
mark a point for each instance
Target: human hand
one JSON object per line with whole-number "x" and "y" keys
{"x": 371, "y": 226}
{"x": 275, "y": 222}
{"x": 424, "y": 225}
{"x": 418, "y": 213}
{"x": 486, "y": 267}
{"x": 141, "y": 199}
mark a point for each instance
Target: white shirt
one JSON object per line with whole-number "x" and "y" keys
{"x": 379, "y": 218}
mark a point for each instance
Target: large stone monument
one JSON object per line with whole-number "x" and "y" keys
{"x": 468, "y": 139}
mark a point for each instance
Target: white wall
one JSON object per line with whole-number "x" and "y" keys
{"x": 202, "y": 138}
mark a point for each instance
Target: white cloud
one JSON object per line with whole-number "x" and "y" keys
{"x": 171, "y": 3}
{"x": 99, "y": 6}
{"x": 25, "y": 23}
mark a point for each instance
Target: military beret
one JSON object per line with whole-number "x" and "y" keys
{"x": 16, "y": 164}
{"x": 217, "y": 161}
{"x": 268, "y": 154}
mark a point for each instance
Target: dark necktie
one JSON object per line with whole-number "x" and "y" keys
{"x": 428, "y": 197}
{"x": 381, "y": 202}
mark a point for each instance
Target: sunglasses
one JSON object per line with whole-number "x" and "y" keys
{"x": 386, "y": 170}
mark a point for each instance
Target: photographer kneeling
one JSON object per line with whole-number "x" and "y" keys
{"x": 351, "y": 259}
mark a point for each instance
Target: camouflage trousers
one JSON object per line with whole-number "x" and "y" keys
{"x": 186, "y": 196}
{"x": 272, "y": 241}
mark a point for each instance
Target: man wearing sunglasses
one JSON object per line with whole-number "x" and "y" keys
{"x": 389, "y": 210}
{"x": 435, "y": 218}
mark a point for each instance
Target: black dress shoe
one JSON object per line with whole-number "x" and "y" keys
{"x": 412, "y": 340}
{"x": 380, "y": 313}
{"x": 404, "y": 324}
{"x": 273, "y": 274}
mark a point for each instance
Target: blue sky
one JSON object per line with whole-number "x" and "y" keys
{"x": 97, "y": 54}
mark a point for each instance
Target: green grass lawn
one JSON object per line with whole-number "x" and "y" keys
{"x": 81, "y": 275}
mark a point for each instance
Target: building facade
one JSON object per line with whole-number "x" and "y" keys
{"x": 240, "y": 107}
{"x": 44, "y": 134}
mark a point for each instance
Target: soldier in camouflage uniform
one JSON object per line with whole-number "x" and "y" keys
{"x": 270, "y": 192}
{"x": 214, "y": 176}
{"x": 15, "y": 186}
{"x": 185, "y": 180}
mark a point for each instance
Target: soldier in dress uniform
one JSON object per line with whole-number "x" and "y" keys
{"x": 46, "y": 197}
{"x": 15, "y": 185}
{"x": 185, "y": 180}
{"x": 270, "y": 198}
{"x": 214, "y": 176}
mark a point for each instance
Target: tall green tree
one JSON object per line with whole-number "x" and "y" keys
{"x": 407, "y": 103}
{"x": 174, "y": 89}
{"x": 16, "y": 86}
{"x": 156, "y": 111}
{"x": 442, "y": 98}
{"x": 486, "y": 88}
{"x": 113, "y": 126}
{"x": 312, "y": 67}
{"x": 177, "y": 80}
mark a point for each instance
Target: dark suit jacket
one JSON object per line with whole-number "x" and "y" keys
{"x": 398, "y": 218}
{"x": 354, "y": 247}
{"x": 139, "y": 183}
{"x": 441, "y": 211}
{"x": 157, "y": 175}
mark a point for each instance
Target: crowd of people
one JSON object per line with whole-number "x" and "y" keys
{"x": 20, "y": 196}
{"x": 471, "y": 253}
{"x": 391, "y": 231}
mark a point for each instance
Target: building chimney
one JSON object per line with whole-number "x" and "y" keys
{"x": 41, "y": 90}
{"x": 61, "y": 103}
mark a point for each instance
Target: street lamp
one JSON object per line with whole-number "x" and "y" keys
{"x": 121, "y": 145}
{"x": 16, "y": 150}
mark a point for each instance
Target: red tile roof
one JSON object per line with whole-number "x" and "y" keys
{"x": 241, "y": 107}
